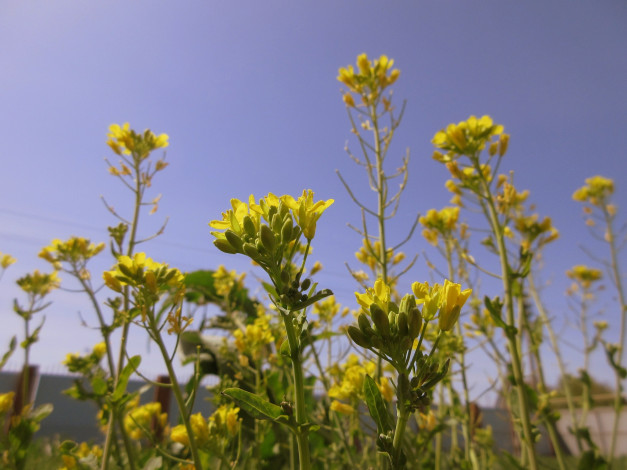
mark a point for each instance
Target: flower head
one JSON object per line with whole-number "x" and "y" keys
{"x": 125, "y": 141}
{"x": 306, "y": 211}
{"x": 466, "y": 137}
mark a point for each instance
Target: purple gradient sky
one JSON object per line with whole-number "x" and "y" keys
{"x": 247, "y": 93}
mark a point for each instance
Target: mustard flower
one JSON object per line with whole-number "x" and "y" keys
{"x": 306, "y": 212}
{"x": 596, "y": 190}
{"x": 453, "y": 299}
{"x": 439, "y": 223}
{"x": 140, "y": 419}
{"x": 466, "y": 137}
{"x": 6, "y": 260}
{"x": 379, "y": 295}
{"x": 39, "y": 284}
{"x": 369, "y": 80}
{"x": 225, "y": 420}
{"x": 584, "y": 275}
{"x": 255, "y": 337}
{"x": 74, "y": 250}
{"x": 140, "y": 271}
{"x": 225, "y": 281}
{"x": 125, "y": 141}
{"x": 430, "y": 297}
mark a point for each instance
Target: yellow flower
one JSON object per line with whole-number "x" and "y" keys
{"x": 351, "y": 378}
{"x": 6, "y": 402}
{"x": 343, "y": 408}
{"x": 386, "y": 389}
{"x": 141, "y": 271}
{"x": 125, "y": 141}
{"x": 584, "y": 275}
{"x": 6, "y": 260}
{"x": 141, "y": 418}
{"x": 467, "y": 137}
{"x": 596, "y": 190}
{"x": 453, "y": 299}
{"x": 224, "y": 281}
{"x": 179, "y": 434}
{"x": 429, "y": 297}
{"x": 371, "y": 78}
{"x": 306, "y": 212}
{"x": 226, "y": 419}
{"x": 100, "y": 350}
{"x": 380, "y": 295}
{"x": 74, "y": 250}
{"x": 39, "y": 284}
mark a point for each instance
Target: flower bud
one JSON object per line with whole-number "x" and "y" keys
{"x": 305, "y": 285}
{"x": 363, "y": 322}
{"x": 234, "y": 240}
{"x": 250, "y": 250}
{"x": 448, "y": 319}
{"x": 414, "y": 323}
{"x": 286, "y": 230}
{"x": 358, "y": 337}
{"x": 403, "y": 328}
{"x": 249, "y": 226}
{"x": 407, "y": 303}
{"x": 267, "y": 238}
{"x": 380, "y": 319}
{"x": 224, "y": 246}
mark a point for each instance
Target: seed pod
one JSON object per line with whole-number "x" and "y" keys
{"x": 403, "y": 329}
{"x": 380, "y": 320}
{"x": 363, "y": 322}
{"x": 414, "y": 323}
{"x": 249, "y": 226}
{"x": 224, "y": 246}
{"x": 358, "y": 338}
{"x": 234, "y": 240}
{"x": 267, "y": 237}
{"x": 250, "y": 250}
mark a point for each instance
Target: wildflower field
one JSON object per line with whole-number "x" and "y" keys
{"x": 398, "y": 396}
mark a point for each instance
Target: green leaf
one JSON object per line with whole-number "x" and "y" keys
{"x": 254, "y": 405}
{"x": 125, "y": 375}
{"x": 99, "y": 385}
{"x": 376, "y": 406}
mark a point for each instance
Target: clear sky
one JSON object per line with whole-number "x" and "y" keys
{"x": 247, "y": 92}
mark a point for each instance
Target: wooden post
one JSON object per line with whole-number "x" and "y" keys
{"x": 163, "y": 396}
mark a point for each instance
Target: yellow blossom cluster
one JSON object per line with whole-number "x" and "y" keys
{"x": 349, "y": 383}
{"x": 225, "y": 281}
{"x": 125, "y": 141}
{"x": 370, "y": 254}
{"x": 469, "y": 137}
{"x": 328, "y": 308}
{"x": 369, "y": 80}
{"x": 140, "y": 271}
{"x": 223, "y": 423}
{"x": 75, "y": 250}
{"x": 440, "y": 223}
{"x": 39, "y": 284}
{"x": 256, "y": 336}
{"x": 446, "y": 300}
{"x": 596, "y": 190}
{"x": 140, "y": 420}
{"x": 6, "y": 260}
{"x": 77, "y": 363}
{"x": 584, "y": 275}
{"x": 84, "y": 451}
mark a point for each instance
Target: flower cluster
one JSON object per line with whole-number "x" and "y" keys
{"x": 224, "y": 423}
{"x": 440, "y": 223}
{"x": 77, "y": 363}
{"x": 370, "y": 254}
{"x": 225, "y": 281}
{"x": 39, "y": 284}
{"x": 369, "y": 80}
{"x": 349, "y": 384}
{"x": 6, "y": 260}
{"x": 125, "y": 141}
{"x": 596, "y": 191}
{"x": 256, "y": 336}
{"x": 75, "y": 251}
{"x": 142, "y": 419}
{"x": 469, "y": 137}
{"x": 142, "y": 273}
{"x": 584, "y": 276}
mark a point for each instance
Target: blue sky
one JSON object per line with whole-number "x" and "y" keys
{"x": 247, "y": 92}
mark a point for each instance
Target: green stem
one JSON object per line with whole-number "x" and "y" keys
{"x": 302, "y": 433}
{"x": 176, "y": 389}
{"x": 497, "y": 229}
{"x": 399, "y": 432}
{"x": 618, "y": 398}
